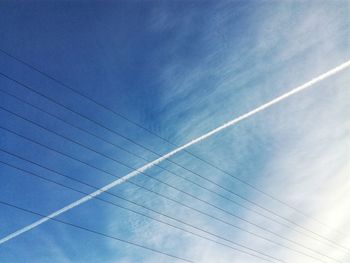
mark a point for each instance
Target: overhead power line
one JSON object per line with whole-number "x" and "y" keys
{"x": 180, "y": 203}
{"x": 118, "y": 114}
{"x": 166, "y": 156}
{"x": 211, "y": 191}
{"x": 228, "y": 124}
{"x": 191, "y": 195}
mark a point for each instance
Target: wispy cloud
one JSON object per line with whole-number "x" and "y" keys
{"x": 298, "y": 151}
{"x": 306, "y": 138}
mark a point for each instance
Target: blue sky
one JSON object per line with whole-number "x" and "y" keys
{"x": 179, "y": 69}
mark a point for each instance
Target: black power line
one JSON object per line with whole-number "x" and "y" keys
{"x": 228, "y": 190}
{"x": 139, "y": 156}
{"x": 95, "y": 232}
{"x": 145, "y": 207}
{"x": 245, "y": 220}
{"x": 114, "y": 112}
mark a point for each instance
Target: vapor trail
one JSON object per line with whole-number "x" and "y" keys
{"x": 171, "y": 153}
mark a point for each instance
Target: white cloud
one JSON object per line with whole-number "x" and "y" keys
{"x": 309, "y": 166}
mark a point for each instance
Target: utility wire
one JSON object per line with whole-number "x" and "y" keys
{"x": 193, "y": 208}
{"x": 95, "y": 232}
{"x": 153, "y": 178}
{"x": 118, "y": 114}
{"x": 146, "y": 148}
{"x": 147, "y": 208}
{"x": 113, "y": 144}
{"x": 158, "y": 220}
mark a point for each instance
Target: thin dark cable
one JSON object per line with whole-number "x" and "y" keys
{"x": 150, "y": 209}
{"x": 146, "y": 148}
{"x": 150, "y": 150}
{"x": 114, "y": 112}
{"x": 161, "y": 221}
{"x": 153, "y": 178}
{"x": 187, "y": 206}
{"x": 193, "y": 182}
{"x": 95, "y": 232}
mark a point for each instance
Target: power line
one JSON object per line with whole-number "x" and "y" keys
{"x": 159, "y": 220}
{"x": 191, "y": 207}
{"x": 114, "y": 112}
{"x": 191, "y": 195}
{"x": 139, "y": 156}
{"x": 150, "y": 209}
{"x": 242, "y": 197}
{"x": 95, "y": 232}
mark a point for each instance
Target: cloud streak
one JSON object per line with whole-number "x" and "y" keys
{"x": 149, "y": 165}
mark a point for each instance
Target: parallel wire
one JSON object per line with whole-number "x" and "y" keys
{"x": 95, "y": 232}
{"x": 155, "y": 219}
{"x": 185, "y": 205}
{"x": 113, "y": 144}
{"x": 151, "y": 209}
{"x": 184, "y": 192}
{"x": 150, "y": 150}
{"x": 118, "y": 114}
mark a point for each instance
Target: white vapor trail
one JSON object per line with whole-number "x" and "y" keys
{"x": 171, "y": 153}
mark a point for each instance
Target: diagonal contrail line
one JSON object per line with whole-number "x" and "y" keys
{"x": 234, "y": 121}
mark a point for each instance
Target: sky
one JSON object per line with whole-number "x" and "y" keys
{"x": 179, "y": 69}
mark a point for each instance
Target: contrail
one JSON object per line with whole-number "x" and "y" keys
{"x": 171, "y": 153}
